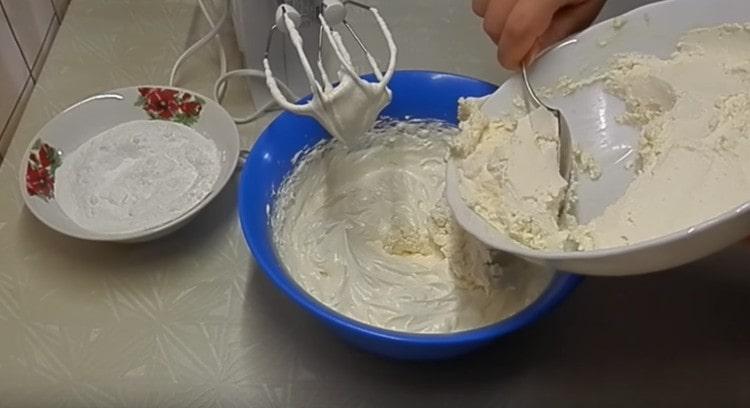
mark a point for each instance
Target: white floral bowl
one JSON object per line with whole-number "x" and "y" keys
{"x": 91, "y": 116}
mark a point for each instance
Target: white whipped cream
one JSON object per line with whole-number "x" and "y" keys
{"x": 694, "y": 153}
{"x": 368, "y": 232}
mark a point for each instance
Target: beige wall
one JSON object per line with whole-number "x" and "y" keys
{"x": 27, "y": 29}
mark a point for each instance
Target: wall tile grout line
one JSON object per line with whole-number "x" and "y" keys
{"x": 34, "y": 64}
{"x": 54, "y": 11}
{"x": 15, "y": 37}
{"x": 16, "y": 106}
{"x": 44, "y": 48}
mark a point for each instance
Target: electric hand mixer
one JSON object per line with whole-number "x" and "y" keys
{"x": 347, "y": 109}
{"x": 350, "y": 108}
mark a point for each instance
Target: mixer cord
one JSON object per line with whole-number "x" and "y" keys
{"x": 220, "y": 85}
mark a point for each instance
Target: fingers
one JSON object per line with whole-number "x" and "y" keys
{"x": 495, "y": 17}
{"x": 534, "y": 52}
{"x": 525, "y": 23}
{"x": 523, "y": 28}
{"x": 479, "y": 7}
{"x": 569, "y": 20}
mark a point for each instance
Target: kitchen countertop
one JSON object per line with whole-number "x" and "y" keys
{"x": 190, "y": 321}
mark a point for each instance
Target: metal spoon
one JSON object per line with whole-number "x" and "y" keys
{"x": 480, "y": 228}
{"x": 564, "y": 151}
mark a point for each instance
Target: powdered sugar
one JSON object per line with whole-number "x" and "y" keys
{"x": 136, "y": 176}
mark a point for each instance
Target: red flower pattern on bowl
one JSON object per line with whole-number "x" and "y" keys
{"x": 170, "y": 104}
{"x": 40, "y": 170}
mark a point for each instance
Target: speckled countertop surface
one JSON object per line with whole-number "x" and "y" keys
{"x": 189, "y": 321}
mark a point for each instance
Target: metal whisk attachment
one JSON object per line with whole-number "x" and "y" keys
{"x": 334, "y": 105}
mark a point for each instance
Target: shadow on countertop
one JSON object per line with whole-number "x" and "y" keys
{"x": 677, "y": 338}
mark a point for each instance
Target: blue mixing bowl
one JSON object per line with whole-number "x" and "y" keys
{"x": 416, "y": 94}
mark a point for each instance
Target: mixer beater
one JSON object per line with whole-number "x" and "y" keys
{"x": 349, "y": 108}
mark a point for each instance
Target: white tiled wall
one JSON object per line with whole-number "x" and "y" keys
{"x": 27, "y": 28}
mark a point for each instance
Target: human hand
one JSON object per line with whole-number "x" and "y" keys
{"x": 523, "y": 28}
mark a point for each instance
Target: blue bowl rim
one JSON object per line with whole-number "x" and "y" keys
{"x": 560, "y": 286}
